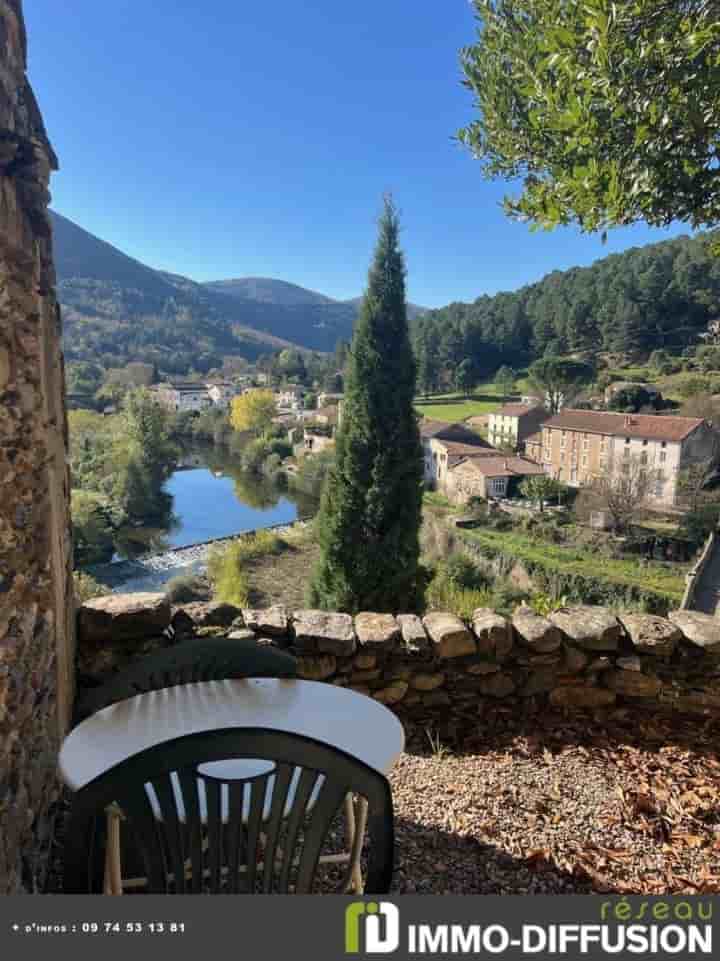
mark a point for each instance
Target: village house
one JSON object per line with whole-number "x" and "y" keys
{"x": 444, "y": 445}
{"x": 326, "y": 415}
{"x": 221, "y": 393}
{"x": 581, "y": 445}
{"x": 315, "y": 439}
{"x": 491, "y": 477}
{"x": 513, "y": 423}
{"x": 182, "y": 395}
{"x": 326, "y": 399}
{"x": 290, "y": 397}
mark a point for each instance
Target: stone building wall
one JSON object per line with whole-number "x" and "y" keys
{"x": 439, "y": 672}
{"x": 36, "y": 606}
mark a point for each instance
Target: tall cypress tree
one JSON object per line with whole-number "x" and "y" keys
{"x": 370, "y": 514}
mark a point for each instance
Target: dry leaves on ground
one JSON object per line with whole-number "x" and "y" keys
{"x": 621, "y": 803}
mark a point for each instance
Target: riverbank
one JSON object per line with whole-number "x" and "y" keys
{"x": 152, "y": 572}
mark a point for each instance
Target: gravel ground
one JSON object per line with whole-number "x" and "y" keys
{"x": 623, "y": 803}
{"x": 629, "y": 804}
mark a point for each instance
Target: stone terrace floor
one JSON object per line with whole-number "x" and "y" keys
{"x": 625, "y": 803}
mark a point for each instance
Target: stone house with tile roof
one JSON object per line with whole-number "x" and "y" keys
{"x": 445, "y": 445}
{"x": 579, "y": 445}
{"x": 491, "y": 476}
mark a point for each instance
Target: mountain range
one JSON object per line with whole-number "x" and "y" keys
{"x": 117, "y": 309}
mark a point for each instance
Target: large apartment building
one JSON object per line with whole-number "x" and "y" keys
{"x": 576, "y": 446}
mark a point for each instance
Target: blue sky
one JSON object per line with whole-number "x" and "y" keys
{"x": 235, "y": 138}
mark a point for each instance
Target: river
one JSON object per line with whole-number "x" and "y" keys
{"x": 212, "y": 499}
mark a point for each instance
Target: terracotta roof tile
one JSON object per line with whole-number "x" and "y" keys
{"x": 490, "y": 466}
{"x": 451, "y": 433}
{"x": 517, "y": 410}
{"x": 650, "y": 426}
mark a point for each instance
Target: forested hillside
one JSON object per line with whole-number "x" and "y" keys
{"x": 659, "y": 296}
{"x": 117, "y": 310}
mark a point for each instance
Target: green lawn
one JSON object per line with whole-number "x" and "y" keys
{"x": 566, "y": 559}
{"x": 452, "y": 410}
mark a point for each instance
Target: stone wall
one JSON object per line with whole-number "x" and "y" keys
{"x": 36, "y": 607}
{"x": 439, "y": 672}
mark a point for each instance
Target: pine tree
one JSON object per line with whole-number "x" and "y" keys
{"x": 370, "y": 515}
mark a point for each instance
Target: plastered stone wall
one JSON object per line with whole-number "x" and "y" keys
{"x": 36, "y": 606}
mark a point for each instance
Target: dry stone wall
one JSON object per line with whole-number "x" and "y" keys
{"x": 36, "y": 607}
{"x": 440, "y": 672}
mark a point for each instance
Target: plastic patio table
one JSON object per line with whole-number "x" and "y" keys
{"x": 334, "y": 715}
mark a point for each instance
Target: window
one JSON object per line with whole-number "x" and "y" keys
{"x": 664, "y": 444}
{"x": 644, "y": 457}
{"x": 627, "y": 440}
{"x": 497, "y": 486}
{"x": 562, "y": 439}
{"x": 663, "y": 456}
{"x": 586, "y": 442}
{"x": 659, "y": 485}
{"x": 644, "y": 443}
{"x": 584, "y": 460}
{"x": 626, "y": 453}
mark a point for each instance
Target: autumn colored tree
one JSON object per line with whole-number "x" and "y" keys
{"x": 253, "y": 411}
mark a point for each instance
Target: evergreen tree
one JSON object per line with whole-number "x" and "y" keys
{"x": 370, "y": 513}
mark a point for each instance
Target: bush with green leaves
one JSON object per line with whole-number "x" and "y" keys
{"x": 698, "y": 523}
{"x": 312, "y": 472}
{"x": 86, "y": 587}
{"x": 186, "y": 588}
{"x": 228, "y": 578}
{"x": 461, "y": 572}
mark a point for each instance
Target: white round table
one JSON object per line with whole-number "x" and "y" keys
{"x": 328, "y": 713}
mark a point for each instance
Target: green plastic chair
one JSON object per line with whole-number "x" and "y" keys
{"x": 201, "y": 659}
{"x": 263, "y": 835}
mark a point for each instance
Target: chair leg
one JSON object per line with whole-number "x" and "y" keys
{"x": 360, "y": 813}
{"x": 113, "y": 868}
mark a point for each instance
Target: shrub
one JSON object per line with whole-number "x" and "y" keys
{"x": 186, "y": 588}
{"x": 229, "y": 580}
{"x": 545, "y": 604}
{"x": 313, "y": 471}
{"x": 460, "y": 571}
{"x": 86, "y": 587}
{"x": 442, "y": 595}
{"x": 697, "y": 524}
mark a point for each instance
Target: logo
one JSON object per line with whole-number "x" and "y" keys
{"x": 366, "y": 916}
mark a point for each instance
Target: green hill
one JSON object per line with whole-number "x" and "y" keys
{"x": 116, "y": 310}
{"x": 658, "y": 296}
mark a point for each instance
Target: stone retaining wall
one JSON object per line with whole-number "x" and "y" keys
{"x": 36, "y": 600}
{"x": 438, "y": 671}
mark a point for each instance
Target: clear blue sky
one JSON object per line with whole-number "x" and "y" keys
{"x": 235, "y": 138}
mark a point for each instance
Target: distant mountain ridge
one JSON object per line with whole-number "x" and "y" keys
{"x": 117, "y": 309}
{"x": 268, "y": 290}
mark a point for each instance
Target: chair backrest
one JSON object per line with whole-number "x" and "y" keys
{"x": 198, "y": 834}
{"x": 201, "y": 659}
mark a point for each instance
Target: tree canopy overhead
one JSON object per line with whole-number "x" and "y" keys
{"x": 608, "y": 112}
